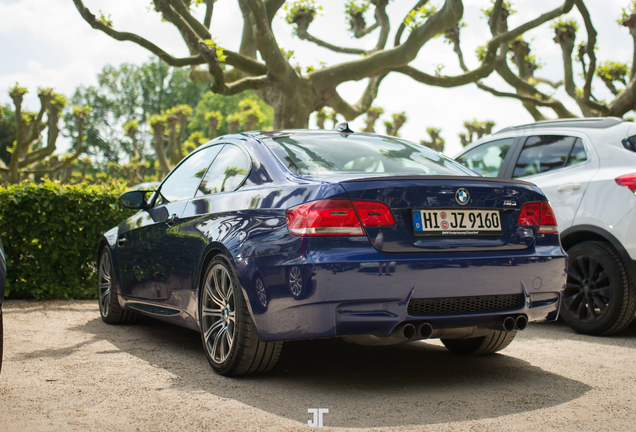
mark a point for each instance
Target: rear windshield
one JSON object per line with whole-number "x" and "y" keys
{"x": 324, "y": 154}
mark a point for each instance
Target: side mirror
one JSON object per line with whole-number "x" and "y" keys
{"x": 134, "y": 200}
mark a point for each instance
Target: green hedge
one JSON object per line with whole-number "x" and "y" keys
{"x": 50, "y": 234}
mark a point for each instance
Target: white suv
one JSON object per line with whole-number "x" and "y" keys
{"x": 587, "y": 169}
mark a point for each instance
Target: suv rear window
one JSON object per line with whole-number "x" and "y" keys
{"x": 325, "y": 154}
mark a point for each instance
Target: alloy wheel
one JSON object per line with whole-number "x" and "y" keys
{"x": 587, "y": 294}
{"x": 218, "y": 314}
{"x": 104, "y": 284}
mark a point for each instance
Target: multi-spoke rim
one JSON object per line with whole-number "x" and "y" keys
{"x": 104, "y": 284}
{"x": 295, "y": 281}
{"x": 218, "y": 314}
{"x": 587, "y": 293}
{"x": 260, "y": 292}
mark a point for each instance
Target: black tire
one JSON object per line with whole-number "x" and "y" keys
{"x": 496, "y": 341}
{"x": 109, "y": 307}
{"x": 228, "y": 334}
{"x": 599, "y": 298}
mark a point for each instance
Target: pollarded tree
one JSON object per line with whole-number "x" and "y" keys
{"x": 31, "y": 153}
{"x": 476, "y": 129}
{"x": 295, "y": 94}
{"x": 436, "y": 142}
{"x": 534, "y": 91}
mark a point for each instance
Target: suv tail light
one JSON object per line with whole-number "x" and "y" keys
{"x": 337, "y": 217}
{"x": 628, "y": 181}
{"x": 539, "y": 214}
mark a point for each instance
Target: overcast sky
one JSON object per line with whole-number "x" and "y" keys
{"x": 46, "y": 43}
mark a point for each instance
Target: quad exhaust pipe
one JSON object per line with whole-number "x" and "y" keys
{"x": 410, "y": 331}
{"x": 509, "y": 323}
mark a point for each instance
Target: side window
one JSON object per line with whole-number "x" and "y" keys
{"x": 487, "y": 158}
{"x": 577, "y": 155}
{"x": 226, "y": 173}
{"x": 543, "y": 153}
{"x": 183, "y": 182}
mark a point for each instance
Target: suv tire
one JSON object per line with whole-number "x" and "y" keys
{"x": 599, "y": 298}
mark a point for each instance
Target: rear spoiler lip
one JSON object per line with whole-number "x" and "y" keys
{"x": 434, "y": 177}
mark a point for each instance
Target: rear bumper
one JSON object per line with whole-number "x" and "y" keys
{"x": 344, "y": 295}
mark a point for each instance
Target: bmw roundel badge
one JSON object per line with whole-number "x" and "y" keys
{"x": 462, "y": 196}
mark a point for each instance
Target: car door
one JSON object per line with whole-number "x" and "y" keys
{"x": 151, "y": 250}
{"x": 561, "y": 166}
{"x": 212, "y": 214}
{"x": 490, "y": 158}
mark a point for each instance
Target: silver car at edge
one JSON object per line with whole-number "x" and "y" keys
{"x": 587, "y": 169}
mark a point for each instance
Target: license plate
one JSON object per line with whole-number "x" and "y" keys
{"x": 456, "y": 222}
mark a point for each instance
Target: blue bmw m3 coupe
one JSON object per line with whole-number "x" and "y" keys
{"x": 264, "y": 237}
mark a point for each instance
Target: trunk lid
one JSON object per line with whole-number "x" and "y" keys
{"x": 489, "y": 209}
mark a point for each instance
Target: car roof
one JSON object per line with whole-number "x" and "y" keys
{"x": 588, "y": 123}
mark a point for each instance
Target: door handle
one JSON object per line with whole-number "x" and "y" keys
{"x": 173, "y": 219}
{"x": 121, "y": 241}
{"x": 569, "y": 186}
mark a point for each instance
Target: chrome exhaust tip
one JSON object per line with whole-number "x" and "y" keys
{"x": 509, "y": 324}
{"x": 521, "y": 322}
{"x": 425, "y": 330}
{"x": 408, "y": 331}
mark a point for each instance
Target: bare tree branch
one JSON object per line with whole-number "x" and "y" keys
{"x": 553, "y": 84}
{"x": 385, "y": 26}
{"x": 131, "y": 37}
{"x": 279, "y": 67}
{"x": 591, "y": 42}
{"x": 350, "y": 112}
{"x": 209, "y": 11}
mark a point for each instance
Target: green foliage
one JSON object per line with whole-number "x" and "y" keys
{"x": 105, "y": 19}
{"x": 234, "y": 118}
{"x": 612, "y": 71}
{"x": 156, "y": 119}
{"x": 627, "y": 11}
{"x": 376, "y": 110}
{"x": 400, "y": 117}
{"x": 480, "y": 52}
{"x": 288, "y": 54}
{"x": 417, "y": 16}
{"x": 7, "y": 132}
{"x": 130, "y": 92}
{"x": 298, "y": 7}
{"x": 16, "y": 89}
{"x": 220, "y": 52}
{"x": 214, "y": 114}
{"x": 225, "y": 105}
{"x": 50, "y": 234}
{"x": 563, "y": 23}
{"x": 352, "y": 7}
{"x": 131, "y": 124}
{"x": 505, "y": 6}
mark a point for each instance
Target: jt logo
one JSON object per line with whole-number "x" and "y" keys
{"x": 317, "y": 412}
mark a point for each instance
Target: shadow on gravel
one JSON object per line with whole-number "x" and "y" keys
{"x": 560, "y": 330}
{"x": 410, "y": 384}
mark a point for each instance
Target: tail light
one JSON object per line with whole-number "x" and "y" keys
{"x": 337, "y": 217}
{"x": 539, "y": 214}
{"x": 628, "y": 181}
{"x": 374, "y": 213}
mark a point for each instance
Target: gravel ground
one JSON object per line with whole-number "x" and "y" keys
{"x": 64, "y": 369}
